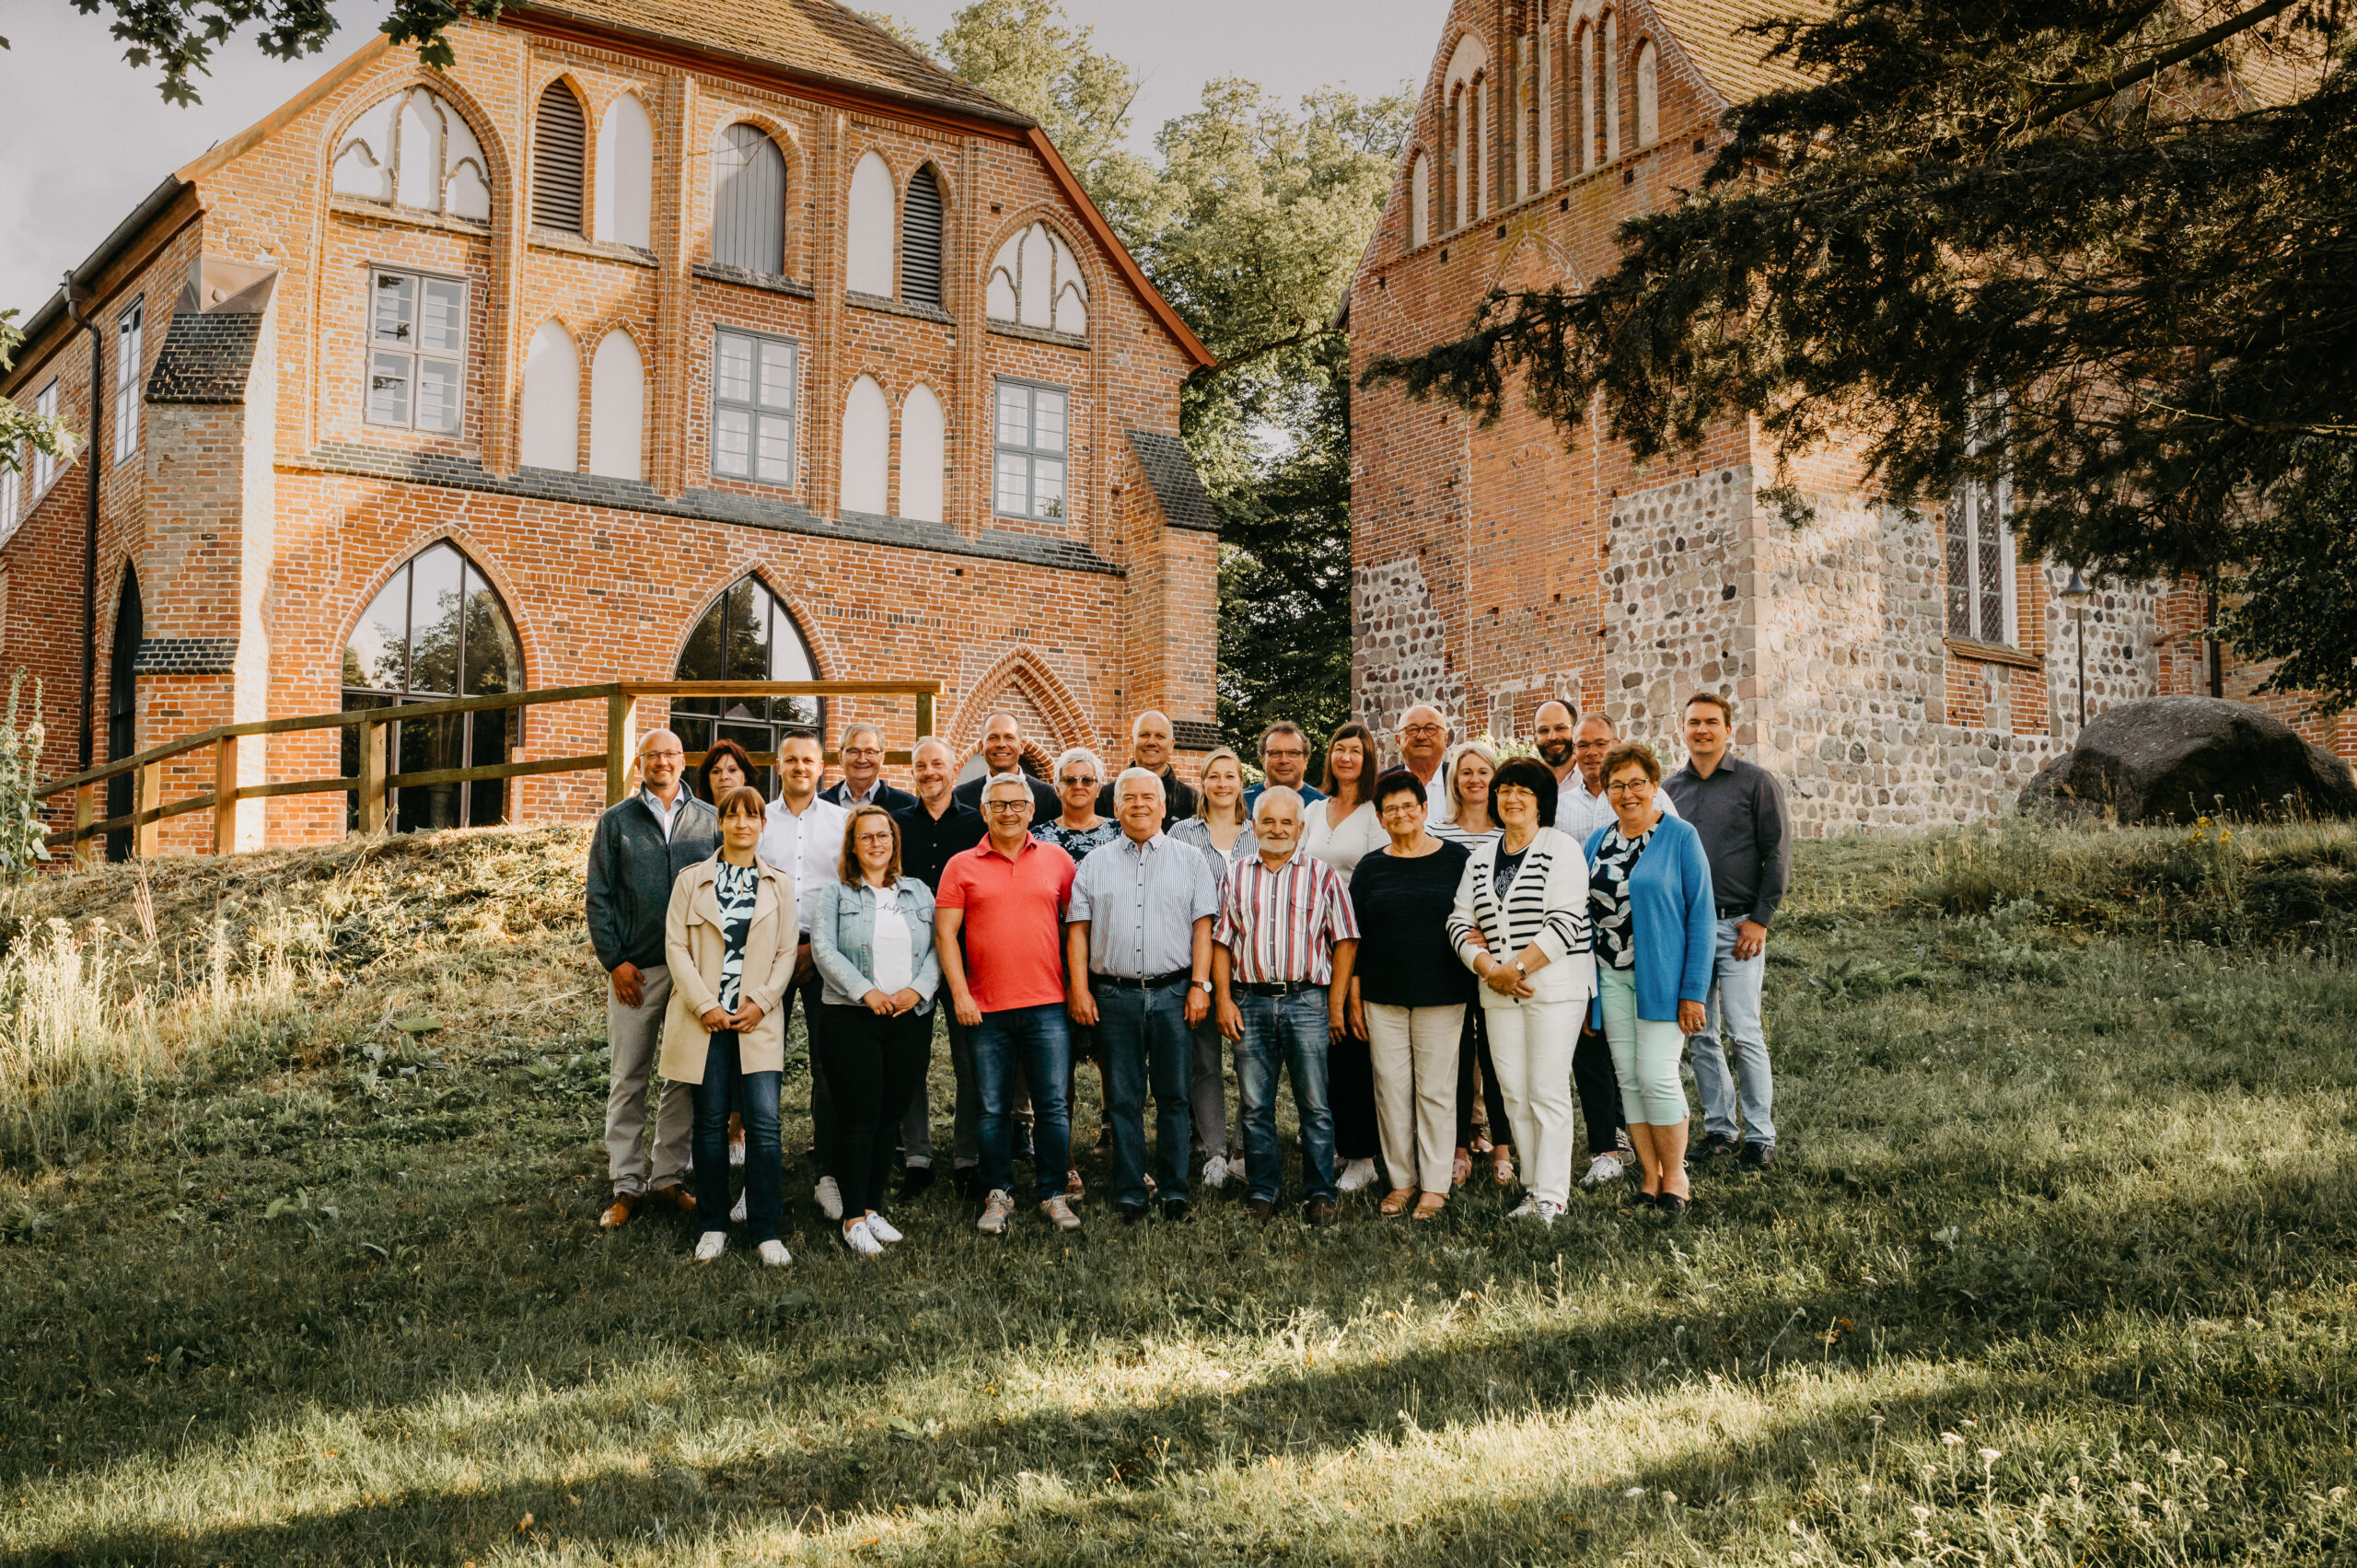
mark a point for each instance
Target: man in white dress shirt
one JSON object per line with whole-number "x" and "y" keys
{"x": 1581, "y": 805}
{"x": 803, "y": 836}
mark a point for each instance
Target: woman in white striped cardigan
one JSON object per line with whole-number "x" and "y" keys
{"x": 1521, "y": 923}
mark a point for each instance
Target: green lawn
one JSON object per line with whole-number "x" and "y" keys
{"x": 2056, "y": 1269}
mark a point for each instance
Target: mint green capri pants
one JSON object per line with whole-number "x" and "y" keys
{"x": 1646, "y": 1053}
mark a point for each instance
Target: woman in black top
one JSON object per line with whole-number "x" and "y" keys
{"x": 1410, "y": 992}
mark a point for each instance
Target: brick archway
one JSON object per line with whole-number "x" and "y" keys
{"x": 1021, "y": 683}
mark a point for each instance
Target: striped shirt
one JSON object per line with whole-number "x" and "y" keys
{"x": 1282, "y": 925}
{"x": 1514, "y": 919}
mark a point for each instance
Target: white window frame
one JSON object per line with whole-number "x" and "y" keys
{"x": 44, "y": 465}
{"x": 129, "y": 329}
{"x": 759, "y": 415}
{"x": 1030, "y": 453}
{"x": 11, "y": 493}
{"x": 1968, "y": 503}
{"x": 411, "y": 356}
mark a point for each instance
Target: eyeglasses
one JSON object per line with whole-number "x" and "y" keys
{"x": 1010, "y": 805}
{"x": 1075, "y": 779}
{"x": 1627, "y": 786}
{"x": 1422, "y": 728}
{"x": 1403, "y": 807}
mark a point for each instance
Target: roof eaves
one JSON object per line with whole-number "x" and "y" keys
{"x": 121, "y": 238}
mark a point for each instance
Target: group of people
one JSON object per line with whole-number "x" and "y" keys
{"x": 1465, "y": 944}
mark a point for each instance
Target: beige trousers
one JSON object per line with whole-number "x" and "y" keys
{"x": 1414, "y": 1051}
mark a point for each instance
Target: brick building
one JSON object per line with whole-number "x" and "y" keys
{"x": 646, "y": 341}
{"x": 1897, "y": 671}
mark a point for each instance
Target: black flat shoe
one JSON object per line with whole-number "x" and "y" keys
{"x": 914, "y": 1179}
{"x": 1643, "y": 1200}
{"x": 1672, "y": 1206}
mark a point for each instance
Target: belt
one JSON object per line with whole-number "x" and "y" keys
{"x": 1151, "y": 982}
{"x": 1734, "y": 911}
{"x": 1280, "y": 988}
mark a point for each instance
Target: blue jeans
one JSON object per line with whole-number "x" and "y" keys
{"x": 724, "y": 1089}
{"x": 1146, "y": 1038}
{"x": 1282, "y": 1032}
{"x": 1734, "y": 1009}
{"x": 1034, "y": 1043}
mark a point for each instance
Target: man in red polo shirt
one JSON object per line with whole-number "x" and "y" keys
{"x": 1008, "y": 895}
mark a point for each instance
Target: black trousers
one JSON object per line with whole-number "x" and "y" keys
{"x": 1477, "y": 1081}
{"x": 1350, "y": 1094}
{"x": 873, "y": 1065}
{"x": 1599, "y": 1091}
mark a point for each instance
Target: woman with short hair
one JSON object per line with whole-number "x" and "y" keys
{"x": 727, "y": 766}
{"x": 1409, "y": 993}
{"x": 1079, "y": 772}
{"x": 1221, "y": 828}
{"x": 1656, "y": 931}
{"x": 1521, "y": 924}
{"x": 871, "y": 936}
{"x": 730, "y": 938}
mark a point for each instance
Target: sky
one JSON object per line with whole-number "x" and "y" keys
{"x": 87, "y": 136}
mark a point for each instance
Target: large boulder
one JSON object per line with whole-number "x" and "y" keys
{"x": 2171, "y": 759}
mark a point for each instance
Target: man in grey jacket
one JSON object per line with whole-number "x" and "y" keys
{"x": 638, "y": 852}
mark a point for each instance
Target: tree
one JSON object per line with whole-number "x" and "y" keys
{"x": 2100, "y": 248}
{"x": 21, "y": 427}
{"x": 180, "y": 35}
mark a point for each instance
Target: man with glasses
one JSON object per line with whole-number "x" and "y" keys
{"x": 863, "y": 783}
{"x": 1152, "y": 737}
{"x": 1006, "y": 985}
{"x": 1422, "y": 738}
{"x": 1002, "y": 756}
{"x": 1581, "y": 805}
{"x": 637, "y": 852}
{"x": 1284, "y": 760}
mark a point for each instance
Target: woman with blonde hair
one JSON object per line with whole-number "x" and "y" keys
{"x": 729, "y": 937}
{"x": 1470, "y": 767}
{"x": 1221, "y": 828}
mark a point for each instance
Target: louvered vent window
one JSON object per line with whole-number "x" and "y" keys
{"x": 921, "y": 242}
{"x": 558, "y": 141}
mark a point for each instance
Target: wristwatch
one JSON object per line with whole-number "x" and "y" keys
{"x": 1205, "y": 984}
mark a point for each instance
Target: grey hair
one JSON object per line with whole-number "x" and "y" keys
{"x": 861, "y": 726}
{"x": 1276, "y": 791}
{"x": 1080, "y": 753}
{"x": 1016, "y": 779}
{"x": 1129, "y": 773}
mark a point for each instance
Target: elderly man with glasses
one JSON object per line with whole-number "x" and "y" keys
{"x": 863, "y": 783}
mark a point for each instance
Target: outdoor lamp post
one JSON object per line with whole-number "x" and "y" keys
{"x": 2075, "y": 593}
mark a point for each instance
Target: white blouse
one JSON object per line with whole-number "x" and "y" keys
{"x": 1360, "y": 835}
{"x": 893, "y": 949}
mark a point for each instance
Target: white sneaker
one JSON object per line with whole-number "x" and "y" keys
{"x": 1547, "y": 1213}
{"x": 1528, "y": 1210}
{"x": 1215, "y": 1173}
{"x": 830, "y": 1198}
{"x": 1604, "y": 1169}
{"x": 1355, "y": 1176}
{"x": 774, "y": 1253}
{"x": 1059, "y": 1212}
{"x": 737, "y": 1215}
{"x": 711, "y": 1244}
{"x": 882, "y": 1228}
{"x": 736, "y": 1151}
{"x": 995, "y": 1209}
{"x": 860, "y": 1239}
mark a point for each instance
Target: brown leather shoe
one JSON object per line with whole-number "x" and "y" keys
{"x": 676, "y": 1195}
{"x": 1325, "y": 1212}
{"x": 617, "y": 1213}
{"x": 1262, "y": 1210}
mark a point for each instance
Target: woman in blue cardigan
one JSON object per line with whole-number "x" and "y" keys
{"x": 1650, "y": 903}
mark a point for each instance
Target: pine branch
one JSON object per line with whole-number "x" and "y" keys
{"x": 2156, "y": 64}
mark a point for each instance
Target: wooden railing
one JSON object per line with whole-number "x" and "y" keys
{"x": 372, "y": 784}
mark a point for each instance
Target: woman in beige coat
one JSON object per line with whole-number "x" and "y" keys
{"x": 730, "y": 938}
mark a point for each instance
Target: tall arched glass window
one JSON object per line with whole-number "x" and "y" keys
{"x": 436, "y": 631}
{"x": 746, "y": 635}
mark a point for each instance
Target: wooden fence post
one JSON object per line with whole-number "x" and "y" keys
{"x": 86, "y": 849}
{"x": 622, "y": 741}
{"x": 224, "y": 796}
{"x": 372, "y": 777}
{"x": 147, "y": 797}
{"x": 924, "y": 714}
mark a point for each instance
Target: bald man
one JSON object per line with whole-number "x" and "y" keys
{"x": 1152, "y": 739}
{"x": 1002, "y": 758}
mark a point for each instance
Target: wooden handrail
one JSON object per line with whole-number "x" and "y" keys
{"x": 375, "y": 780}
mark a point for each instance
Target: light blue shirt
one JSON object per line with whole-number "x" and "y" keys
{"x": 1141, "y": 901}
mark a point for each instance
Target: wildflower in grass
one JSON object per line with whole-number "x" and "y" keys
{"x": 1991, "y": 1455}
{"x": 1951, "y": 1439}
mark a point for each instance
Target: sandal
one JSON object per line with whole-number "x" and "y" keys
{"x": 1481, "y": 1144}
{"x": 1395, "y": 1203}
{"x": 1429, "y": 1206}
{"x": 1460, "y": 1170}
{"x": 1501, "y": 1167}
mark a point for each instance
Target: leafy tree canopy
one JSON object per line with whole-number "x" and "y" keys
{"x": 2100, "y": 246}
{"x": 21, "y": 427}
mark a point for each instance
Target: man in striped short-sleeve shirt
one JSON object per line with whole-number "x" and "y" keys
{"x": 1281, "y": 963}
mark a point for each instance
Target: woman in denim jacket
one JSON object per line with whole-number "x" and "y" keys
{"x": 871, "y": 935}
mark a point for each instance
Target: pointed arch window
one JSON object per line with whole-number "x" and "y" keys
{"x": 749, "y": 202}
{"x": 1035, "y": 281}
{"x": 436, "y": 631}
{"x": 748, "y": 634}
{"x": 920, "y": 240}
{"x": 1648, "y": 95}
{"x": 414, "y": 150}
{"x": 560, "y": 155}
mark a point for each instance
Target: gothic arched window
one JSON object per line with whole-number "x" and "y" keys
{"x": 748, "y": 634}
{"x": 436, "y": 631}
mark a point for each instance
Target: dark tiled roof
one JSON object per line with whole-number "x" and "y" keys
{"x": 205, "y": 359}
{"x": 185, "y": 656}
{"x": 810, "y": 37}
{"x": 1170, "y": 469}
{"x": 706, "y": 505}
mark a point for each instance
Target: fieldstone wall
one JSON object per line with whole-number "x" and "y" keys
{"x": 2123, "y": 648}
{"x": 1399, "y": 645}
{"x": 1674, "y": 606}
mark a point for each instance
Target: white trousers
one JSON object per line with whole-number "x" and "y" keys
{"x": 1414, "y": 1051}
{"x": 1530, "y": 1043}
